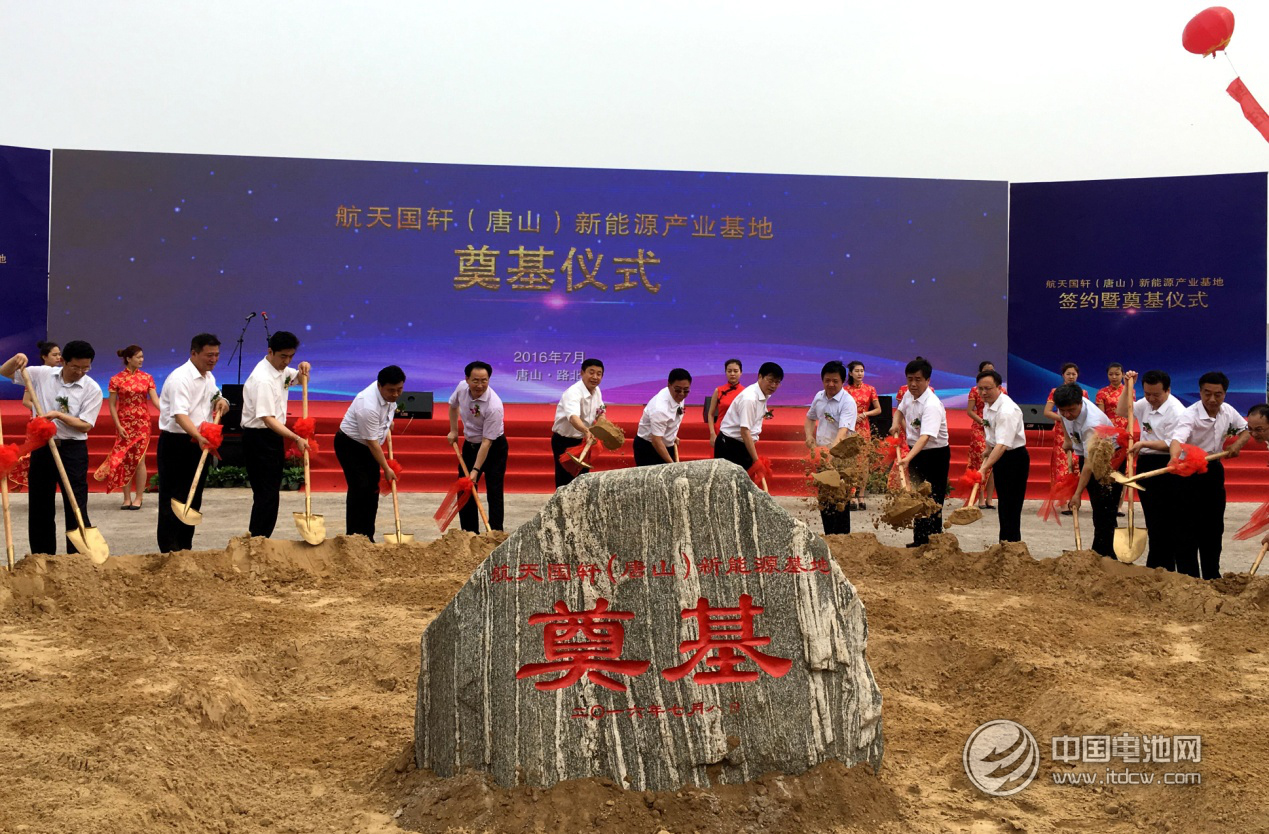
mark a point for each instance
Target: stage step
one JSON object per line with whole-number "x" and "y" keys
{"x": 430, "y": 465}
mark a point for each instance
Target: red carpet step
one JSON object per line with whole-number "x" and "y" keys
{"x": 430, "y": 465}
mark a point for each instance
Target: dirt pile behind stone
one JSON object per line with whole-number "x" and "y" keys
{"x": 270, "y": 687}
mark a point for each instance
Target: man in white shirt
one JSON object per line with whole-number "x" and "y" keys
{"x": 264, "y": 428}
{"x": 72, "y": 400}
{"x": 1208, "y": 424}
{"x": 1158, "y": 414}
{"x": 830, "y": 420}
{"x": 359, "y": 448}
{"x": 657, "y": 438}
{"x": 923, "y": 419}
{"x": 484, "y": 441}
{"x": 738, "y": 433}
{"x": 580, "y": 405}
{"x": 1080, "y": 419}
{"x": 1007, "y": 456}
{"x": 188, "y": 399}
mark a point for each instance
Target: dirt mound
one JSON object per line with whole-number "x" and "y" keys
{"x": 270, "y": 687}
{"x": 823, "y": 799}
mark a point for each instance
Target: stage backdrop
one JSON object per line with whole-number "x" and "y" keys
{"x": 530, "y": 269}
{"x": 24, "y": 198}
{"x": 1164, "y": 273}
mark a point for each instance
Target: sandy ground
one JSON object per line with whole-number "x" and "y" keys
{"x": 269, "y": 686}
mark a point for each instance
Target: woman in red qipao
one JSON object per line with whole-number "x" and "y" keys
{"x": 978, "y": 438}
{"x": 130, "y": 392}
{"x": 866, "y": 405}
{"x": 50, "y": 356}
{"x": 893, "y": 482}
{"x": 1108, "y": 397}
{"x": 723, "y": 396}
{"x": 1058, "y": 464}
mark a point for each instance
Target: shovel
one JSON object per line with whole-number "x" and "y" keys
{"x": 1130, "y": 541}
{"x": 4, "y": 499}
{"x": 966, "y": 513}
{"x": 1256, "y": 566}
{"x": 1136, "y": 479}
{"x": 312, "y": 527}
{"x": 475, "y": 493}
{"x": 87, "y": 540}
{"x": 185, "y": 512}
{"x": 1075, "y": 516}
{"x": 398, "y": 537}
{"x": 575, "y": 465}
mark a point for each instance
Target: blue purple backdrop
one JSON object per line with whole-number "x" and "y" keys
{"x": 360, "y": 260}
{"x": 24, "y": 174}
{"x": 1164, "y": 273}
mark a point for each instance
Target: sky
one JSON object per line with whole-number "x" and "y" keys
{"x": 969, "y": 90}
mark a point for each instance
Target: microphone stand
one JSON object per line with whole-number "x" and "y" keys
{"x": 238, "y": 348}
{"x": 266, "y": 329}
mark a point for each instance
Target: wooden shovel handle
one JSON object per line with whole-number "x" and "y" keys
{"x": 589, "y": 442}
{"x": 898, "y": 464}
{"x": 475, "y": 495}
{"x": 1075, "y": 514}
{"x": 308, "y": 493}
{"x": 1256, "y": 566}
{"x": 4, "y": 500}
{"x": 198, "y": 472}
{"x": 396, "y": 506}
{"x": 1163, "y": 470}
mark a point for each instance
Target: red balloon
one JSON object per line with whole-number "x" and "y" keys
{"x": 1209, "y": 31}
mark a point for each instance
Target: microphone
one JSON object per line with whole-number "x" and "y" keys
{"x": 250, "y": 317}
{"x": 264, "y": 314}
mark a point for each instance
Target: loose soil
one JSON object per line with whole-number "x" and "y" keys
{"x": 270, "y": 687}
{"x": 905, "y": 506}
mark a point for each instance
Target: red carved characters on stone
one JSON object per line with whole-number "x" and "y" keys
{"x": 729, "y": 633}
{"x": 601, "y": 634}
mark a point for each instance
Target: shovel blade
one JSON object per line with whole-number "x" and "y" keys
{"x": 1123, "y": 480}
{"x": 312, "y": 528}
{"x": 1130, "y": 543}
{"x": 394, "y": 538}
{"x": 187, "y": 515}
{"x": 90, "y": 542}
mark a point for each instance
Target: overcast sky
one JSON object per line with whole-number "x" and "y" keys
{"x": 967, "y": 90}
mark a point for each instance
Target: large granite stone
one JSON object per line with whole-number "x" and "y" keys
{"x": 638, "y": 550}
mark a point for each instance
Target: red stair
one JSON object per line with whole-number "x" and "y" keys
{"x": 430, "y": 465}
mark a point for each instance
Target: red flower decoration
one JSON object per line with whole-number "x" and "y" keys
{"x": 1259, "y": 521}
{"x": 385, "y": 486}
{"x": 9, "y": 456}
{"x": 1192, "y": 461}
{"x": 38, "y": 433}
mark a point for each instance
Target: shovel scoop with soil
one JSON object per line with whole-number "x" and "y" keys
{"x": 906, "y": 506}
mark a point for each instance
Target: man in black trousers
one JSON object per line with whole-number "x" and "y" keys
{"x": 264, "y": 428}
{"x": 1080, "y": 421}
{"x": 189, "y": 399}
{"x": 359, "y": 448}
{"x": 1007, "y": 455}
{"x": 72, "y": 400}
{"x": 484, "y": 446}
{"x": 924, "y": 420}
